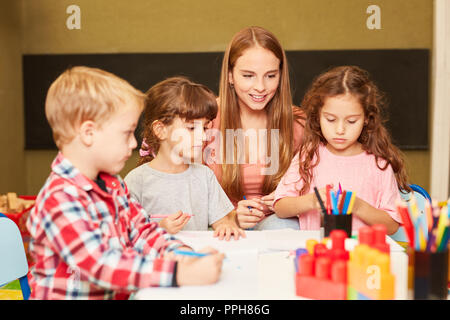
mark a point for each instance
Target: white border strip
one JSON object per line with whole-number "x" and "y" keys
{"x": 440, "y": 143}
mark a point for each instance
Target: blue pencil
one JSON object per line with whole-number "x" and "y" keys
{"x": 334, "y": 203}
{"x": 190, "y": 253}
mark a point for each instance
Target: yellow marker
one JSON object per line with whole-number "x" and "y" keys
{"x": 422, "y": 241}
{"x": 352, "y": 201}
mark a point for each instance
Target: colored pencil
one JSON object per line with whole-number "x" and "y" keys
{"x": 328, "y": 188}
{"x": 249, "y": 208}
{"x": 348, "y": 196}
{"x": 162, "y": 216}
{"x": 339, "y": 192}
{"x": 429, "y": 215}
{"x": 407, "y": 224}
{"x": 320, "y": 200}
{"x": 334, "y": 203}
{"x": 341, "y": 203}
{"x": 442, "y": 224}
{"x": 190, "y": 253}
{"x": 444, "y": 242}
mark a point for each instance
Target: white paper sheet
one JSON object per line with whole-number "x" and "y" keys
{"x": 238, "y": 280}
{"x": 267, "y": 241}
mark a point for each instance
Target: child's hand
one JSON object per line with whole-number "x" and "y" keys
{"x": 323, "y": 194}
{"x": 248, "y": 218}
{"x": 226, "y": 229}
{"x": 175, "y": 222}
{"x": 267, "y": 200}
{"x": 200, "y": 271}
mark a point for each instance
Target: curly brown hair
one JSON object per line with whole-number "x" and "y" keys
{"x": 375, "y": 138}
{"x": 174, "y": 97}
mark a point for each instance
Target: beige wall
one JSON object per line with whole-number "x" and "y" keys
{"x": 204, "y": 25}
{"x": 12, "y": 158}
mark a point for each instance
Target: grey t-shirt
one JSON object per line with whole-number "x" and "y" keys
{"x": 195, "y": 191}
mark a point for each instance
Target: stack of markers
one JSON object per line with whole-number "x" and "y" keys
{"x": 426, "y": 232}
{"x": 334, "y": 205}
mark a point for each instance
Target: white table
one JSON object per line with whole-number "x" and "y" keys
{"x": 275, "y": 274}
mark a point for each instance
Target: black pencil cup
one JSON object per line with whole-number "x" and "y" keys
{"x": 337, "y": 221}
{"x": 430, "y": 275}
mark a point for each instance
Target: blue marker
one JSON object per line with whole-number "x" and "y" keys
{"x": 347, "y": 199}
{"x": 249, "y": 208}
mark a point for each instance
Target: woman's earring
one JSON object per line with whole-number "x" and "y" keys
{"x": 231, "y": 85}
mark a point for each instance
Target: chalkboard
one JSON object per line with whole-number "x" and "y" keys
{"x": 402, "y": 74}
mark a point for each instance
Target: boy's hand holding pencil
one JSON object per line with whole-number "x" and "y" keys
{"x": 199, "y": 268}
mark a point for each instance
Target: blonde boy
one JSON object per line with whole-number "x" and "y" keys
{"x": 90, "y": 239}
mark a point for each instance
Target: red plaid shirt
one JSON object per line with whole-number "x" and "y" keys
{"x": 92, "y": 244}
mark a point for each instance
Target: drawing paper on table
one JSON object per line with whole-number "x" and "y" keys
{"x": 267, "y": 241}
{"x": 288, "y": 239}
{"x": 239, "y": 280}
{"x": 198, "y": 240}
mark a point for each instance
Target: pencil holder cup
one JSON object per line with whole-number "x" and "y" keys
{"x": 430, "y": 275}
{"x": 337, "y": 221}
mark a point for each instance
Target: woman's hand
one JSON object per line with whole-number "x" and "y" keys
{"x": 249, "y": 213}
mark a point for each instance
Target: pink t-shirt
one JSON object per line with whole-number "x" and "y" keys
{"x": 357, "y": 173}
{"x": 252, "y": 179}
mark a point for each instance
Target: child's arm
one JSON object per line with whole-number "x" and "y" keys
{"x": 144, "y": 233}
{"x": 221, "y": 211}
{"x": 82, "y": 244}
{"x": 226, "y": 227}
{"x": 288, "y": 207}
{"x": 175, "y": 222}
{"x": 384, "y": 211}
{"x": 370, "y": 215}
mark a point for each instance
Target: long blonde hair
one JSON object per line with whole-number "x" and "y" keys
{"x": 279, "y": 109}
